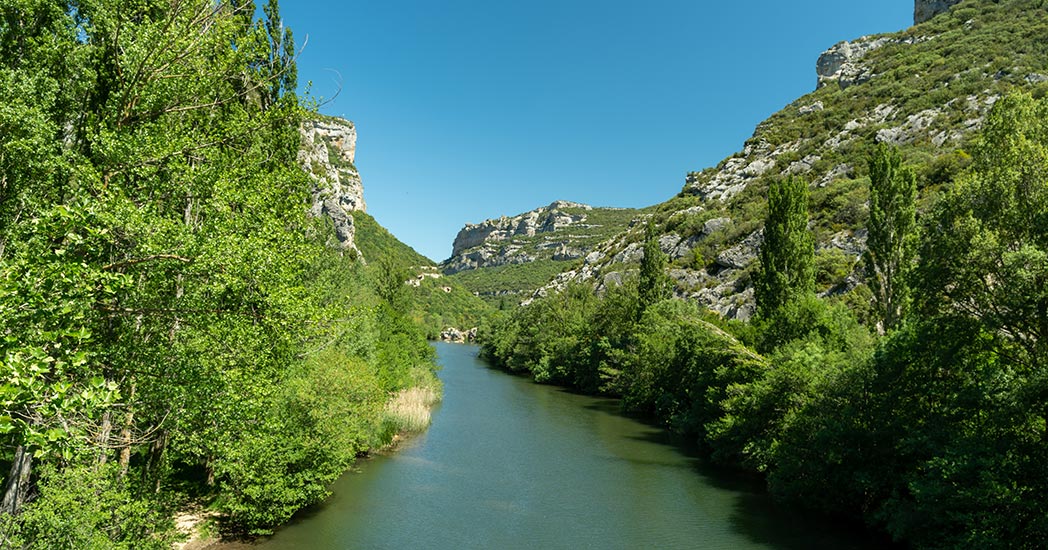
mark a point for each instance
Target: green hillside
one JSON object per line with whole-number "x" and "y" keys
{"x": 437, "y": 302}
{"x": 926, "y": 90}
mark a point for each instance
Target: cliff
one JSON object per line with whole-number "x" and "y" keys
{"x": 327, "y": 153}
{"x": 515, "y": 255}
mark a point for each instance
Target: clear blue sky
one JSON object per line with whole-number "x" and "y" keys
{"x": 472, "y": 109}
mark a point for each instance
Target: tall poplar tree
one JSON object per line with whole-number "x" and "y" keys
{"x": 892, "y": 228}
{"x": 787, "y": 257}
{"x": 654, "y": 285}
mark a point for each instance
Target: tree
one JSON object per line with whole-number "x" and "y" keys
{"x": 981, "y": 287}
{"x": 892, "y": 228}
{"x": 787, "y": 257}
{"x": 654, "y": 285}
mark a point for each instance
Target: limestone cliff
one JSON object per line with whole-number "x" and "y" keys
{"x": 327, "y": 153}
{"x": 513, "y": 255}
{"x": 501, "y": 241}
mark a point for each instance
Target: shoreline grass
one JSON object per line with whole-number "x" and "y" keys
{"x": 410, "y": 410}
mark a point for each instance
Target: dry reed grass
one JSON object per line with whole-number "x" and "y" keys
{"x": 409, "y": 410}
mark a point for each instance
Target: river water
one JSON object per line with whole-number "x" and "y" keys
{"x": 511, "y": 464}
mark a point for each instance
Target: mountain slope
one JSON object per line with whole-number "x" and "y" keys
{"x": 503, "y": 259}
{"x": 925, "y": 89}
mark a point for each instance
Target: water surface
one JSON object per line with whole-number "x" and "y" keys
{"x": 511, "y": 464}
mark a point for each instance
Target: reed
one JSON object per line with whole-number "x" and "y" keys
{"x": 409, "y": 410}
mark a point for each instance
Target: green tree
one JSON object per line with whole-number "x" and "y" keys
{"x": 787, "y": 256}
{"x": 984, "y": 266}
{"x": 892, "y": 230}
{"x": 654, "y": 285}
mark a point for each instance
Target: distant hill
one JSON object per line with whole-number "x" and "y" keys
{"x": 505, "y": 259}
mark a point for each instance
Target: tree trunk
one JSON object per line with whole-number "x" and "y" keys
{"x": 156, "y": 460}
{"x": 103, "y": 439}
{"x": 17, "y": 487}
{"x": 125, "y": 434}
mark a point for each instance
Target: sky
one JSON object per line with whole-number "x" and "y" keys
{"x": 473, "y": 109}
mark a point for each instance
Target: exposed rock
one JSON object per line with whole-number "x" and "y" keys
{"x": 734, "y": 174}
{"x": 916, "y": 125}
{"x": 456, "y": 336}
{"x": 742, "y": 254}
{"x": 490, "y": 243}
{"x": 813, "y": 108}
{"x": 840, "y": 171}
{"x": 841, "y": 63}
{"x": 326, "y": 154}
{"x": 631, "y": 254}
{"x": 924, "y": 10}
{"x": 417, "y": 280}
{"x": 715, "y": 225}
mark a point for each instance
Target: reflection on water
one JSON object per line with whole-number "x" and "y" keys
{"x": 511, "y": 464}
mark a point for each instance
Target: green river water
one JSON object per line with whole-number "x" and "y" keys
{"x": 510, "y": 464}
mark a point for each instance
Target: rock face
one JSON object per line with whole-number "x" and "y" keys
{"x": 327, "y": 154}
{"x": 491, "y": 243}
{"x": 841, "y": 64}
{"x": 924, "y": 10}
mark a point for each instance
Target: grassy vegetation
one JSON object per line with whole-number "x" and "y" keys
{"x": 375, "y": 241}
{"x": 445, "y": 302}
{"x": 409, "y": 411}
{"x": 509, "y": 283}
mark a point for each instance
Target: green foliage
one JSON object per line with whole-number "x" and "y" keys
{"x": 832, "y": 266}
{"x": 442, "y": 303}
{"x": 684, "y": 367}
{"x": 166, "y": 311}
{"x": 92, "y": 509}
{"x": 324, "y": 414}
{"x": 512, "y": 282}
{"x": 654, "y": 284}
{"x": 937, "y": 433}
{"x": 376, "y": 242}
{"x": 892, "y": 234}
{"x": 787, "y": 262}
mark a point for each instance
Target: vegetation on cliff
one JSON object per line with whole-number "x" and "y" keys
{"x": 171, "y": 324}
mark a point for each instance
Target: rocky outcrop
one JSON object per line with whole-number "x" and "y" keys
{"x": 457, "y": 336}
{"x": 541, "y": 220}
{"x": 924, "y": 10}
{"x": 499, "y": 242}
{"x": 327, "y": 154}
{"x": 842, "y": 63}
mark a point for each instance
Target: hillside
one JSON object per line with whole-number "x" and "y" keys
{"x": 908, "y": 392}
{"x": 503, "y": 259}
{"x": 925, "y": 89}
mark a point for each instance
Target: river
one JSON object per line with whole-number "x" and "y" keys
{"x": 510, "y": 464}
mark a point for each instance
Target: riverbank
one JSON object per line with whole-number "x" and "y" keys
{"x": 407, "y": 414}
